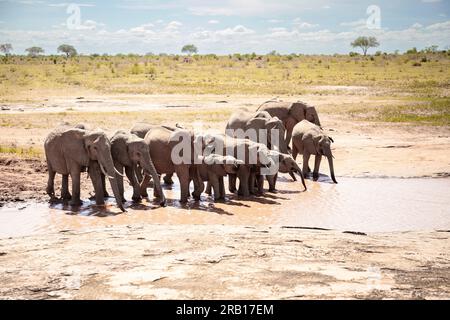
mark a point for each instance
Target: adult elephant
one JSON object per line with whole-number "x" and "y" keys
{"x": 309, "y": 139}
{"x": 129, "y": 151}
{"x": 290, "y": 113}
{"x": 140, "y": 129}
{"x": 258, "y": 127}
{"x": 169, "y": 156}
{"x": 69, "y": 151}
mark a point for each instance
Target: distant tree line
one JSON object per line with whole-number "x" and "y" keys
{"x": 364, "y": 43}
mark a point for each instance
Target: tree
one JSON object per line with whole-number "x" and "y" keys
{"x": 6, "y": 48}
{"x": 68, "y": 50}
{"x": 189, "y": 49}
{"x": 34, "y": 51}
{"x": 365, "y": 43}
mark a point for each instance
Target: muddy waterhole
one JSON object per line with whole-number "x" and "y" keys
{"x": 355, "y": 204}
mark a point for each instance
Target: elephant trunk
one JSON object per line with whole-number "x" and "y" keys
{"x": 108, "y": 165}
{"x": 330, "y": 163}
{"x": 300, "y": 173}
{"x": 149, "y": 168}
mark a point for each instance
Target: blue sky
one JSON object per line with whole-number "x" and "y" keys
{"x": 222, "y": 27}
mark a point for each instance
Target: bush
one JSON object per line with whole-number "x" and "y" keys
{"x": 353, "y": 54}
{"x": 417, "y": 64}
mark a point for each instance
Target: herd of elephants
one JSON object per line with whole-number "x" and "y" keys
{"x": 145, "y": 152}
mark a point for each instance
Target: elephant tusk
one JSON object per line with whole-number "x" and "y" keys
{"x": 120, "y": 174}
{"x": 104, "y": 171}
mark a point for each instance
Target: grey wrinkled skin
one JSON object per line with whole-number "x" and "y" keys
{"x": 69, "y": 151}
{"x": 129, "y": 151}
{"x": 291, "y": 113}
{"x": 309, "y": 139}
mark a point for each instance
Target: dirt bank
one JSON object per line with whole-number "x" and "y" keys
{"x": 210, "y": 262}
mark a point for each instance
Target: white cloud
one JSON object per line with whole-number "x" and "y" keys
{"x": 417, "y": 26}
{"x": 173, "y": 25}
{"x": 298, "y": 23}
{"x": 213, "y": 21}
{"x": 357, "y": 23}
{"x": 66, "y": 4}
{"x": 274, "y": 21}
{"x": 210, "y": 11}
{"x": 431, "y": 1}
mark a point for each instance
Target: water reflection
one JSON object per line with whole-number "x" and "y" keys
{"x": 364, "y": 204}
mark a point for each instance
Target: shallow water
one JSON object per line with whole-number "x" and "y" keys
{"x": 356, "y": 204}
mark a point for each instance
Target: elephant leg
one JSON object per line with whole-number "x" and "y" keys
{"x": 208, "y": 188}
{"x": 305, "y": 163}
{"x": 199, "y": 185}
{"x": 144, "y": 186}
{"x": 183, "y": 175}
{"x": 105, "y": 192}
{"x": 260, "y": 184}
{"x": 168, "y": 179}
{"x": 272, "y": 182}
{"x": 316, "y": 167}
{"x": 232, "y": 183}
{"x": 244, "y": 177}
{"x": 252, "y": 183}
{"x": 215, "y": 185}
{"x": 75, "y": 175}
{"x": 294, "y": 151}
{"x": 65, "y": 194}
{"x": 130, "y": 173}
{"x": 97, "y": 179}
{"x": 51, "y": 183}
{"x": 221, "y": 188}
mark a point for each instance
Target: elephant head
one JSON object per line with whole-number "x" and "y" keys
{"x": 139, "y": 153}
{"x": 274, "y": 129}
{"x": 229, "y": 164}
{"x": 287, "y": 164}
{"x": 98, "y": 148}
{"x": 322, "y": 144}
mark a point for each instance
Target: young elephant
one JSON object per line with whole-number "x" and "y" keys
{"x": 309, "y": 139}
{"x": 69, "y": 151}
{"x": 286, "y": 164}
{"x": 129, "y": 151}
{"x": 252, "y": 154}
{"x": 212, "y": 169}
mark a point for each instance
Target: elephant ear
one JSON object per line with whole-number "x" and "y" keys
{"x": 316, "y": 142}
{"x": 73, "y": 144}
{"x": 297, "y": 110}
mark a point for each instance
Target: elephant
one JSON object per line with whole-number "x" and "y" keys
{"x": 69, "y": 151}
{"x": 212, "y": 169}
{"x": 252, "y": 154}
{"x": 128, "y": 151}
{"x": 162, "y": 143}
{"x": 286, "y": 164}
{"x": 290, "y": 113}
{"x": 140, "y": 129}
{"x": 308, "y": 139}
{"x": 262, "y": 120}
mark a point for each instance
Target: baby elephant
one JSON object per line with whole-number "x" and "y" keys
{"x": 308, "y": 139}
{"x": 212, "y": 169}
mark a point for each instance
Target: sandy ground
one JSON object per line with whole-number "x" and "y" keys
{"x": 211, "y": 262}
